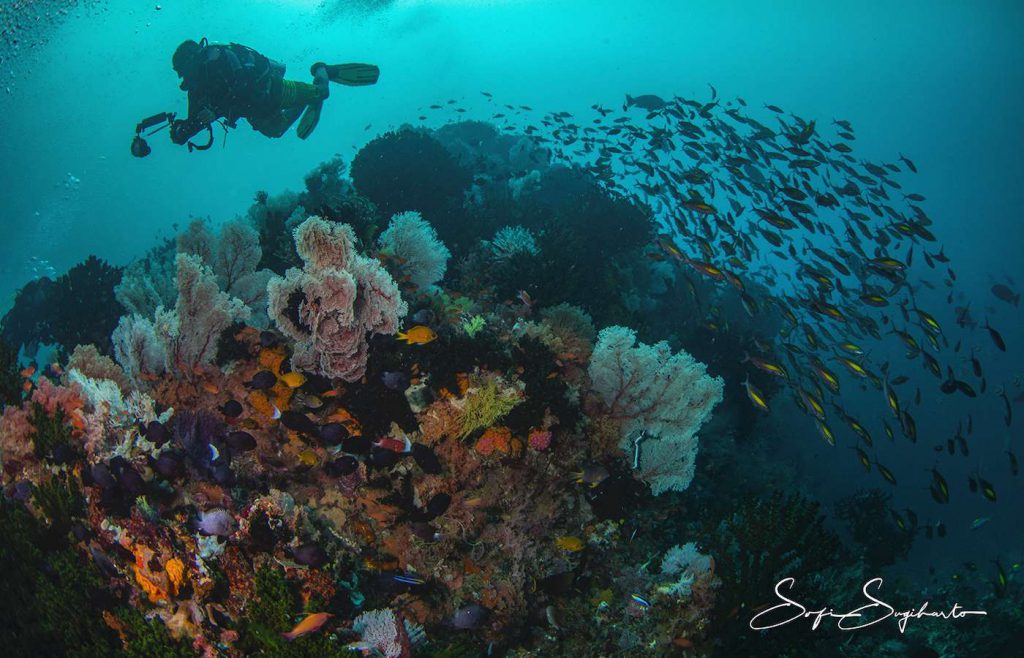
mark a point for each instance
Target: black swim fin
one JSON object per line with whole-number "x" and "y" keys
{"x": 353, "y": 75}
{"x": 311, "y": 117}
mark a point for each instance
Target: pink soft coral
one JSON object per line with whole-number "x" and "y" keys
{"x": 331, "y": 305}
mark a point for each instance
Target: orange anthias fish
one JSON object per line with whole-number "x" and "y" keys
{"x": 418, "y": 335}
{"x": 313, "y": 622}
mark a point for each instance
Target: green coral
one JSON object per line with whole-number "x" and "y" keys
{"x": 474, "y": 325}
{"x": 762, "y": 541}
{"x": 60, "y": 500}
{"x": 148, "y": 638}
{"x": 273, "y": 612}
{"x": 50, "y": 597}
{"x": 10, "y": 379}
{"x": 485, "y": 404}
{"x": 51, "y": 432}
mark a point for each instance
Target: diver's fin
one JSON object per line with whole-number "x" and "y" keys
{"x": 353, "y": 75}
{"x": 309, "y": 119}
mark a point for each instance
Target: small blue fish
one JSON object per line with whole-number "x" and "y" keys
{"x": 409, "y": 580}
{"x": 980, "y": 521}
{"x": 641, "y": 600}
{"x": 396, "y": 381}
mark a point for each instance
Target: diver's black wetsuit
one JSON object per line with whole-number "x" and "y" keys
{"x": 235, "y": 82}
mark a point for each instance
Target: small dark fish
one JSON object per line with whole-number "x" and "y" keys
{"x": 438, "y": 505}
{"x": 356, "y": 445}
{"x": 469, "y": 617}
{"x": 1000, "y": 582}
{"x": 383, "y": 458}
{"x": 972, "y": 484}
{"x": 426, "y": 459}
{"x": 344, "y": 465}
{"x": 298, "y": 422}
{"x": 157, "y": 434}
{"x": 105, "y": 564}
{"x": 997, "y": 338}
{"x": 940, "y": 529}
{"x": 232, "y": 409}
{"x": 424, "y": 531}
{"x": 333, "y": 433}
{"x": 966, "y": 389}
{"x": 1014, "y": 465}
{"x": 1008, "y": 413}
{"x": 648, "y": 102}
{"x": 169, "y": 464}
{"x": 240, "y": 441}
{"x": 269, "y": 339}
{"x": 987, "y": 490}
{"x": 262, "y": 380}
{"x": 1004, "y": 293}
{"x": 886, "y": 473}
{"x": 101, "y": 476}
{"x": 396, "y": 381}
{"x": 310, "y": 555}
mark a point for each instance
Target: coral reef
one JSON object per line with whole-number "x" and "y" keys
{"x": 78, "y": 308}
{"x": 500, "y": 479}
{"x": 661, "y": 399}
{"x": 413, "y": 242}
{"x": 331, "y": 305}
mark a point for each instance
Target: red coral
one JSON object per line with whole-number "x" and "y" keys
{"x": 495, "y": 439}
{"x": 539, "y": 439}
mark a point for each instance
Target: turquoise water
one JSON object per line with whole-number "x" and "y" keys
{"x": 941, "y": 83}
{"x": 937, "y": 81}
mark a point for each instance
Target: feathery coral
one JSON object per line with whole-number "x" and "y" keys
{"x": 661, "y": 400}
{"x": 414, "y": 241}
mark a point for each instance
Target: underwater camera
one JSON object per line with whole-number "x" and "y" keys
{"x": 140, "y": 147}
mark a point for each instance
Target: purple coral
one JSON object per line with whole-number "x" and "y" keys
{"x": 334, "y": 303}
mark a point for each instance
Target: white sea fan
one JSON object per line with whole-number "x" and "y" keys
{"x": 685, "y": 563}
{"x": 662, "y": 400}
{"x": 379, "y": 630}
{"x": 412, "y": 239}
{"x": 512, "y": 240}
{"x": 137, "y": 348}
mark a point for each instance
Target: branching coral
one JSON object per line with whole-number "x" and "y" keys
{"x": 487, "y": 400}
{"x": 137, "y": 348}
{"x": 202, "y": 312}
{"x": 78, "y": 308}
{"x": 764, "y": 540}
{"x": 334, "y": 303}
{"x": 87, "y": 360}
{"x": 148, "y": 282}
{"x": 233, "y": 255}
{"x": 660, "y": 398}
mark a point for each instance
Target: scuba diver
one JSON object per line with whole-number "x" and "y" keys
{"x": 233, "y": 81}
